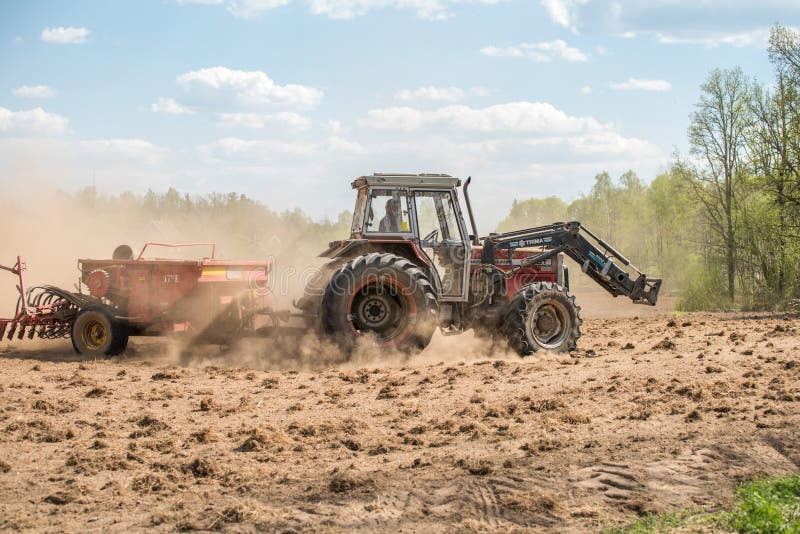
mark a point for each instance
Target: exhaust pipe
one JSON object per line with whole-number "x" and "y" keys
{"x": 475, "y": 239}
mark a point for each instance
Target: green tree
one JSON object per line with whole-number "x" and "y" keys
{"x": 717, "y": 136}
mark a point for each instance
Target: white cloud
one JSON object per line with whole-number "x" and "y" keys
{"x": 529, "y": 117}
{"x": 439, "y": 94}
{"x": 343, "y": 146}
{"x": 448, "y": 94}
{"x": 245, "y": 9}
{"x": 32, "y": 122}
{"x": 249, "y": 88}
{"x": 758, "y": 37}
{"x": 35, "y": 91}
{"x": 708, "y": 22}
{"x": 586, "y": 89}
{"x": 344, "y": 9}
{"x": 114, "y": 150}
{"x": 558, "y": 11}
{"x": 68, "y": 35}
{"x": 335, "y": 126}
{"x": 18, "y": 39}
{"x": 604, "y": 144}
{"x": 170, "y": 107}
{"x": 541, "y": 52}
{"x": 290, "y": 120}
{"x": 637, "y": 84}
{"x": 250, "y": 149}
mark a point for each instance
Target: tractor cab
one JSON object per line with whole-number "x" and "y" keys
{"x": 422, "y": 211}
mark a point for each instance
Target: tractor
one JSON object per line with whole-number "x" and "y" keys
{"x": 411, "y": 266}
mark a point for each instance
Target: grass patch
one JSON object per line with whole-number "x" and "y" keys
{"x": 666, "y": 522}
{"x": 769, "y": 506}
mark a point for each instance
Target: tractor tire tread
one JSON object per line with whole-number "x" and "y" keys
{"x": 513, "y": 324}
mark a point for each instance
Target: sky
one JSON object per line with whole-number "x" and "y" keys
{"x": 288, "y": 101}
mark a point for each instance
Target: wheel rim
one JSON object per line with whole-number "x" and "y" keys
{"x": 379, "y": 308}
{"x": 94, "y": 335}
{"x": 549, "y": 324}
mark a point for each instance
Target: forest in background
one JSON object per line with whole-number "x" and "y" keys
{"x": 722, "y": 226}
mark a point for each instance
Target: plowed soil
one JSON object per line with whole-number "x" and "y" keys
{"x": 652, "y": 413}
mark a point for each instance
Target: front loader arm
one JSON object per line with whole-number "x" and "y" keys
{"x": 600, "y": 265}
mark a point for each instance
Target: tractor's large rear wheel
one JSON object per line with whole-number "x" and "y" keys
{"x": 381, "y": 295}
{"x": 542, "y": 316}
{"x": 96, "y": 332}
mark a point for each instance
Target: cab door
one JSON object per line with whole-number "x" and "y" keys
{"x": 443, "y": 238}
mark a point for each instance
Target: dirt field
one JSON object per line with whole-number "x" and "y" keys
{"x": 653, "y": 412}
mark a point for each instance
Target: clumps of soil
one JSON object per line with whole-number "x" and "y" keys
{"x": 380, "y": 448}
{"x": 149, "y": 483}
{"x": 4, "y": 467}
{"x": 349, "y": 482}
{"x": 258, "y": 440}
{"x": 49, "y": 408}
{"x": 208, "y": 404}
{"x": 40, "y": 431}
{"x": 233, "y": 514}
{"x": 351, "y": 444}
{"x": 692, "y": 416}
{"x": 59, "y": 498}
{"x": 695, "y": 392}
{"x": 201, "y": 468}
{"x": 544, "y": 405}
{"x": 573, "y": 418}
{"x": 664, "y": 344}
{"x": 91, "y": 464}
{"x": 98, "y": 391}
{"x": 271, "y": 382}
{"x": 148, "y": 426}
{"x": 543, "y": 444}
{"x": 205, "y": 435}
{"x": 166, "y": 374}
{"x": 478, "y": 468}
{"x": 387, "y": 392}
{"x": 361, "y": 376}
{"x": 533, "y": 501}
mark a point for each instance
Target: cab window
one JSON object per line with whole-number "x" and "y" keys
{"x": 387, "y": 212}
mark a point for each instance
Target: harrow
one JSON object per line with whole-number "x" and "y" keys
{"x": 43, "y": 311}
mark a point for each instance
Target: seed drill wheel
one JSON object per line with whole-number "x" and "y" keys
{"x": 95, "y": 332}
{"x": 542, "y": 316}
{"x": 382, "y": 295}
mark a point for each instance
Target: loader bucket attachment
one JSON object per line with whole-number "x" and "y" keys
{"x": 645, "y": 290}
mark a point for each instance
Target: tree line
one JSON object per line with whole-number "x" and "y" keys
{"x": 722, "y": 227}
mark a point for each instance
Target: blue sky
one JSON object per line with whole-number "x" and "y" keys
{"x": 289, "y": 100}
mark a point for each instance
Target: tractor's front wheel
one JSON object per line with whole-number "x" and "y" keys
{"x": 95, "y": 332}
{"x": 542, "y": 316}
{"x": 380, "y": 295}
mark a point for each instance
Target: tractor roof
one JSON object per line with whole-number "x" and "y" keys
{"x": 407, "y": 180}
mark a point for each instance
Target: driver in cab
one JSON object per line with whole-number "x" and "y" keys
{"x": 390, "y": 223}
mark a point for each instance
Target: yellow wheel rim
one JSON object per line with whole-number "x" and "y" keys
{"x": 94, "y": 335}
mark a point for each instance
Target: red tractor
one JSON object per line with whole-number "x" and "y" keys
{"x": 411, "y": 266}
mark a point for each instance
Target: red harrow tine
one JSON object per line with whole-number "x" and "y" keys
{"x": 21, "y": 333}
{"x": 3, "y": 328}
{"x": 11, "y": 330}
